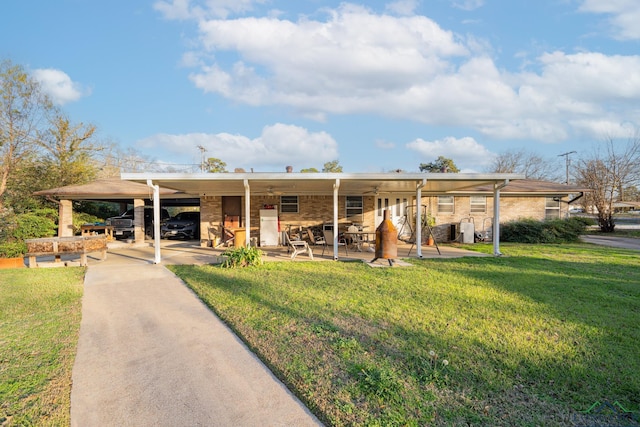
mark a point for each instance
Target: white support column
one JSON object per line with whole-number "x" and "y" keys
{"x": 496, "y": 216}
{"x": 156, "y": 221}
{"x": 247, "y": 213}
{"x": 419, "y": 217}
{"x": 336, "y": 187}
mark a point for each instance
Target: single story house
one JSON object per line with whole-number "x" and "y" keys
{"x": 333, "y": 200}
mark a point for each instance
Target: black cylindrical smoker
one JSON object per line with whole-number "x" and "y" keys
{"x": 386, "y": 240}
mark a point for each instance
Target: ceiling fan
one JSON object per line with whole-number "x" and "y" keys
{"x": 271, "y": 192}
{"x": 375, "y": 191}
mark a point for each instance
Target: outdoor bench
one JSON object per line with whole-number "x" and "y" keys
{"x": 58, "y": 246}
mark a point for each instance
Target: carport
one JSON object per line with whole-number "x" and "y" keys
{"x": 112, "y": 190}
{"x": 334, "y": 184}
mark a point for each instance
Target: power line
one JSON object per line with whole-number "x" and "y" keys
{"x": 202, "y": 162}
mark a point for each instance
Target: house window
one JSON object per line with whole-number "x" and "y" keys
{"x": 354, "y": 208}
{"x": 289, "y": 204}
{"x": 478, "y": 204}
{"x": 445, "y": 204}
{"x": 552, "y": 208}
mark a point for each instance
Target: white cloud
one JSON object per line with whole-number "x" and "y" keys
{"x": 624, "y": 16}
{"x": 402, "y": 7}
{"x": 468, "y": 4}
{"x": 58, "y": 85}
{"x": 342, "y": 65}
{"x": 191, "y": 9}
{"x": 358, "y": 62}
{"x": 466, "y": 152}
{"x": 278, "y": 145}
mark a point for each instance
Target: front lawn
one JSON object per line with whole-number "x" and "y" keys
{"x": 530, "y": 338}
{"x": 40, "y": 313}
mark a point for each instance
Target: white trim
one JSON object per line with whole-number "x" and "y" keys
{"x": 156, "y": 221}
{"x": 496, "y": 216}
{"x": 336, "y": 187}
{"x": 247, "y": 213}
{"x": 419, "y": 218}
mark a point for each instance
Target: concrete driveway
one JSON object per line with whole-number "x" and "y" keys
{"x": 151, "y": 354}
{"x": 612, "y": 241}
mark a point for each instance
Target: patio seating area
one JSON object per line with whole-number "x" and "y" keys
{"x": 190, "y": 252}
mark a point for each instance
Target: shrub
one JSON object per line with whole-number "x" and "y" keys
{"x": 15, "y": 228}
{"x": 81, "y": 218}
{"x": 242, "y": 257}
{"x": 35, "y": 224}
{"x": 12, "y": 249}
{"x": 548, "y": 231}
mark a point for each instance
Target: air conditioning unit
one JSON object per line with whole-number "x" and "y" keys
{"x": 467, "y": 232}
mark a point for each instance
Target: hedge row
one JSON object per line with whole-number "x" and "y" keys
{"x": 549, "y": 231}
{"x": 16, "y": 228}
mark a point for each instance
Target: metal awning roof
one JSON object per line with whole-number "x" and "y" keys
{"x": 113, "y": 189}
{"x": 215, "y": 184}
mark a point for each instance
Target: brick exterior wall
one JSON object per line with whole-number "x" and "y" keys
{"x": 511, "y": 208}
{"x": 318, "y": 210}
{"x": 138, "y": 222}
{"x": 210, "y": 218}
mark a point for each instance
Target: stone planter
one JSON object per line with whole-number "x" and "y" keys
{"x": 12, "y": 262}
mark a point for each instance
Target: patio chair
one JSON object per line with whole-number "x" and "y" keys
{"x": 353, "y": 238}
{"x": 328, "y": 237}
{"x": 298, "y": 247}
{"x": 317, "y": 240}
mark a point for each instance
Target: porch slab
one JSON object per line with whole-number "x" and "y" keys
{"x": 176, "y": 252}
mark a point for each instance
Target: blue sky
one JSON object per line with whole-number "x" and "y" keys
{"x": 378, "y": 85}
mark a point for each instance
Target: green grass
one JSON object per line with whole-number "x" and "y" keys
{"x": 529, "y": 339}
{"x": 39, "y": 323}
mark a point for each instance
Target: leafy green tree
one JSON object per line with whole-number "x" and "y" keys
{"x": 332, "y": 166}
{"x": 309, "y": 170}
{"x": 441, "y": 164}
{"x": 23, "y": 111}
{"x": 215, "y": 165}
{"x": 67, "y": 151}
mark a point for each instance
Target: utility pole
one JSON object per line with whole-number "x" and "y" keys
{"x": 202, "y": 162}
{"x": 567, "y": 162}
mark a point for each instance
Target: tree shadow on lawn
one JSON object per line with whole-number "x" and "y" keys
{"x": 598, "y": 308}
{"x": 489, "y": 377}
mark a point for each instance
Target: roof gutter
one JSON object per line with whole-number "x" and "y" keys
{"x": 576, "y": 198}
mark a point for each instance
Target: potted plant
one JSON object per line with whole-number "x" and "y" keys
{"x": 430, "y": 220}
{"x": 12, "y": 254}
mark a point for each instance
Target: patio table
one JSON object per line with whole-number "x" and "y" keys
{"x": 360, "y": 237}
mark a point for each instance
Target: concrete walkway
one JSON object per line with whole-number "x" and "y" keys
{"x": 151, "y": 354}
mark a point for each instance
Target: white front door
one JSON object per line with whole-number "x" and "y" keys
{"x": 397, "y": 207}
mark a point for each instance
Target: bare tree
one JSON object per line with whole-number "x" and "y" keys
{"x": 531, "y": 165}
{"x": 607, "y": 172}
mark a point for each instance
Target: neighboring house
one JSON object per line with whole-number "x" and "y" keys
{"x": 340, "y": 199}
{"x": 626, "y": 207}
